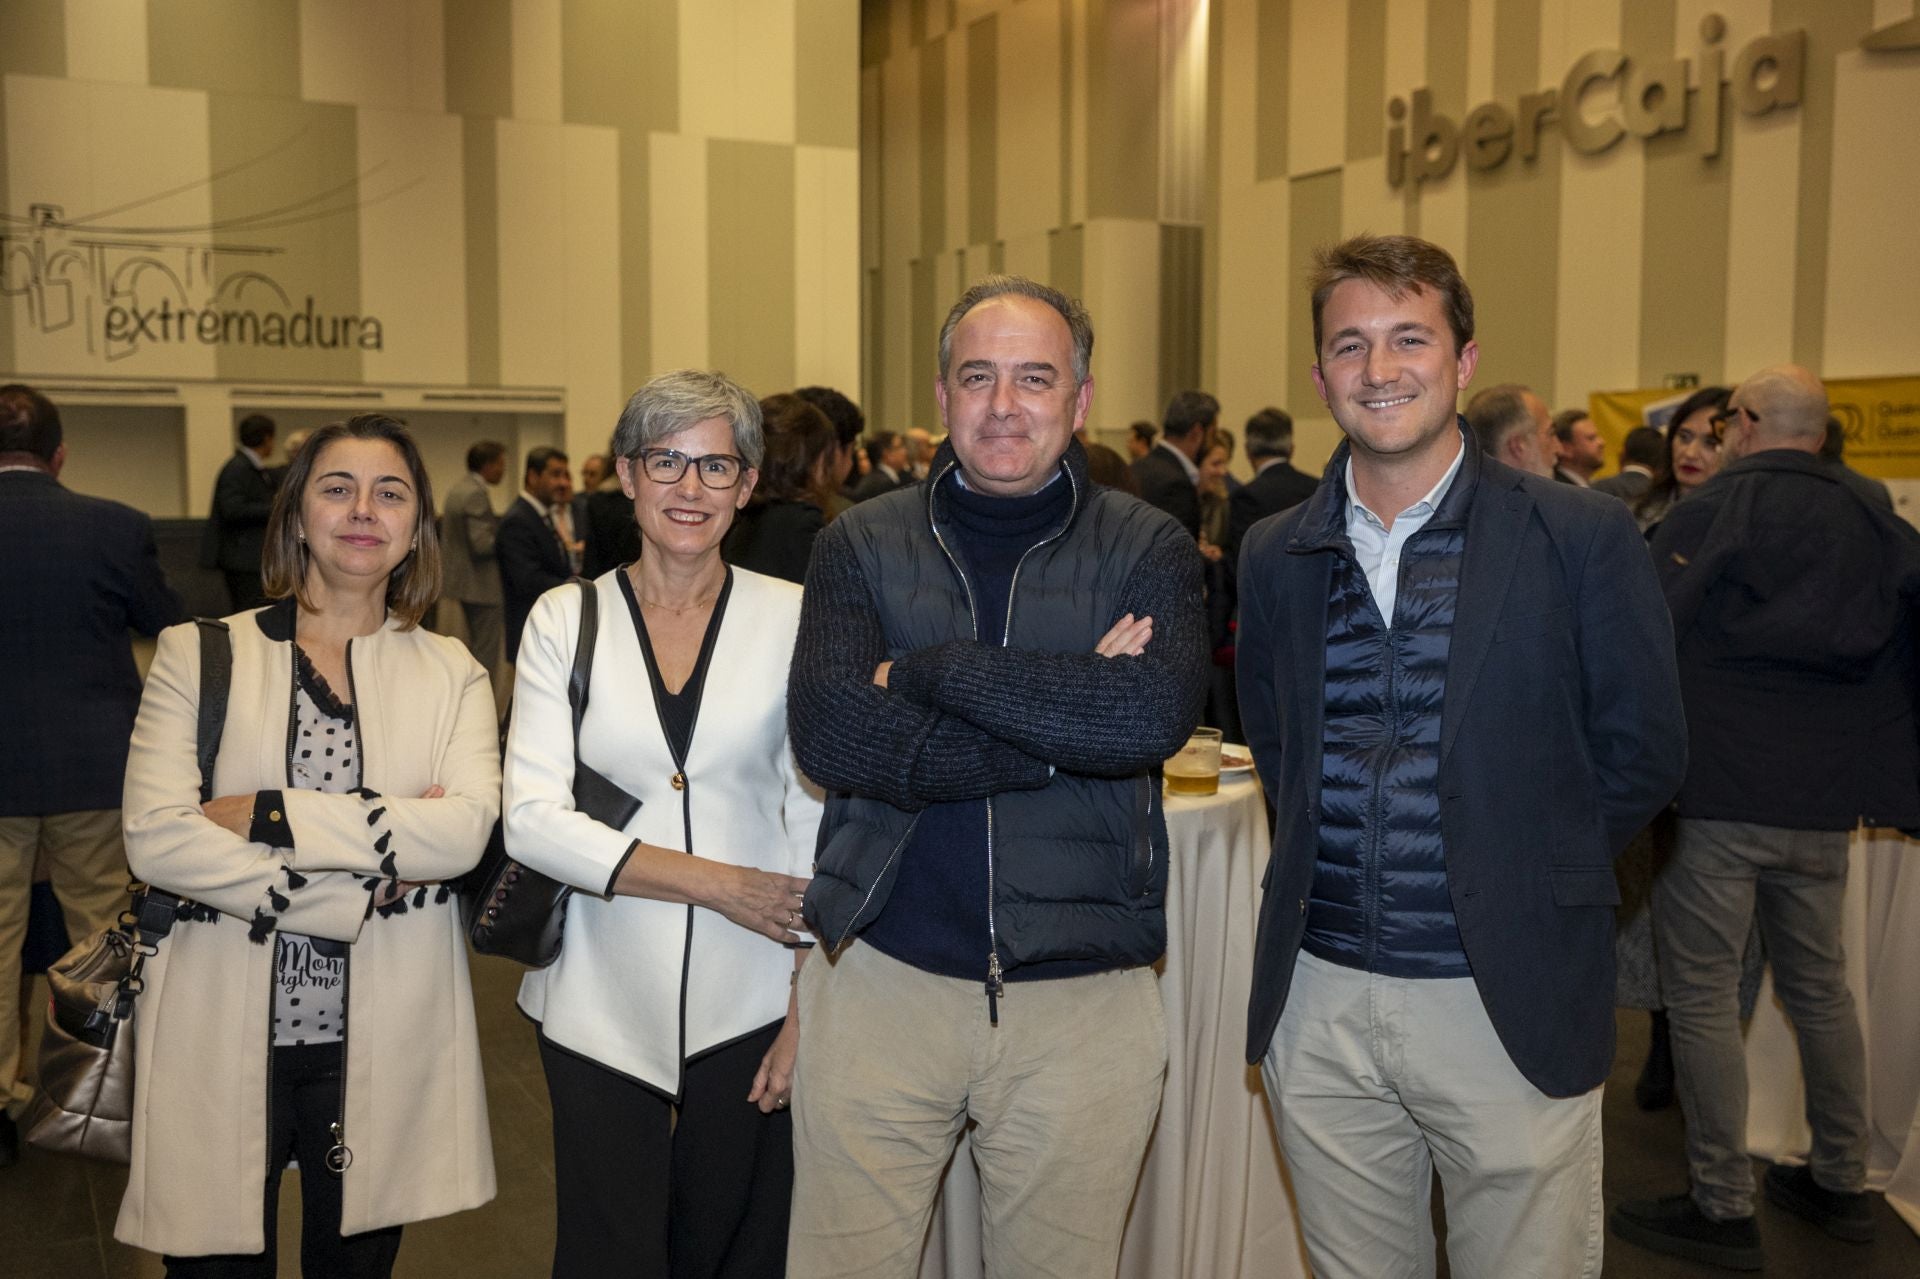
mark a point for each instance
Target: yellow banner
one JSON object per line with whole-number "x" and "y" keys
{"x": 1880, "y": 417}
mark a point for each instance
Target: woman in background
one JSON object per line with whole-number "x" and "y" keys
{"x": 314, "y": 1001}
{"x": 774, "y": 532}
{"x": 1693, "y": 454}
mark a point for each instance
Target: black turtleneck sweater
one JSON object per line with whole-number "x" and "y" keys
{"x": 936, "y": 917}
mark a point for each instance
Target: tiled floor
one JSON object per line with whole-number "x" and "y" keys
{"x": 56, "y": 1214}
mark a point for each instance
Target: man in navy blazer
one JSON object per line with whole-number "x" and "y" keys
{"x": 1458, "y": 683}
{"x": 76, "y": 574}
{"x": 532, "y": 543}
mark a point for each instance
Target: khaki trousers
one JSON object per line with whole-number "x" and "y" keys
{"x": 1375, "y": 1081}
{"x": 88, "y": 866}
{"x": 894, "y": 1061}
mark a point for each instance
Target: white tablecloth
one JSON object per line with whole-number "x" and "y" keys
{"x": 1212, "y": 1201}
{"x": 1882, "y": 939}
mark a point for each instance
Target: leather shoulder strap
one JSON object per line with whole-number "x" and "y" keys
{"x": 216, "y": 678}
{"x": 581, "y": 677}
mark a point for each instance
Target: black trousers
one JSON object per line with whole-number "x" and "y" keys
{"x": 306, "y": 1103}
{"x": 647, "y": 1188}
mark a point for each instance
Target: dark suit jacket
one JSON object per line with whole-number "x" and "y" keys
{"x": 1561, "y": 736}
{"x": 237, "y": 526}
{"x": 1272, "y": 491}
{"x": 611, "y": 536}
{"x": 1164, "y": 483}
{"x": 875, "y": 483}
{"x": 1627, "y": 486}
{"x": 775, "y": 538}
{"x": 532, "y": 562}
{"x": 76, "y": 574}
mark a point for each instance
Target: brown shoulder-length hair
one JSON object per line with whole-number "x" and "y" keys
{"x": 414, "y": 583}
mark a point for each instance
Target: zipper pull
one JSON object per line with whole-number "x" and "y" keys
{"x": 995, "y": 988}
{"x": 339, "y": 1158}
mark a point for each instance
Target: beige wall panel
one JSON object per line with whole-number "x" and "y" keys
{"x": 1367, "y": 203}
{"x": 900, "y": 161}
{"x": 413, "y": 248}
{"x": 736, "y": 69}
{"x": 1122, "y": 293}
{"x": 1762, "y": 227}
{"x": 955, "y": 158}
{"x": 122, "y": 143}
{"x": 1313, "y": 221}
{"x": 536, "y": 60}
{"x": 1482, "y": 39}
{"x": 895, "y": 408}
{"x": 1029, "y": 255}
{"x": 590, "y": 286}
{"x": 826, "y": 260}
{"x": 1317, "y": 86}
{"x": 1873, "y": 255}
{"x": 374, "y": 53}
{"x": 1406, "y": 49}
{"x": 1258, "y": 303}
{"x": 107, "y": 40}
{"x": 871, "y": 248}
{"x": 1443, "y": 214}
{"x": 1239, "y": 77}
{"x": 1027, "y": 84}
{"x": 531, "y": 176}
{"x": 826, "y": 54}
{"x": 677, "y": 189}
{"x": 223, "y": 47}
{"x": 1075, "y": 201}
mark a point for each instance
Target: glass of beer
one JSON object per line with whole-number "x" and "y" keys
{"x": 1196, "y": 769}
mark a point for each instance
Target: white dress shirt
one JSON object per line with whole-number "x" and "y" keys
{"x": 1378, "y": 547}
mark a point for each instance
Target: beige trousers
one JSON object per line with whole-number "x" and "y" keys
{"x": 1375, "y": 1081}
{"x": 894, "y": 1061}
{"x": 88, "y": 866}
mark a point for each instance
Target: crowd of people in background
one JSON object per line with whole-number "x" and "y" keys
{"x": 1472, "y": 672}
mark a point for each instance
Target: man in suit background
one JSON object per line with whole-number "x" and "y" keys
{"x": 887, "y": 450}
{"x": 1140, "y": 437}
{"x": 1640, "y": 455}
{"x": 76, "y": 574}
{"x": 242, "y": 500}
{"x": 1275, "y": 485}
{"x": 532, "y": 545}
{"x": 1511, "y": 424}
{"x": 1169, "y": 475}
{"x": 1458, "y": 683}
{"x": 1579, "y": 450}
{"x": 469, "y": 570}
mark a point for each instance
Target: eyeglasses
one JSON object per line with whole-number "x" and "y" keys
{"x": 716, "y": 470}
{"x": 1731, "y": 412}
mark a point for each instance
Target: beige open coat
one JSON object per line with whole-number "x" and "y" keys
{"x": 415, "y": 1106}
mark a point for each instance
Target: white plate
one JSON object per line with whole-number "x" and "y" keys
{"x": 1235, "y": 770}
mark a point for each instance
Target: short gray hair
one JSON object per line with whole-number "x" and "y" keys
{"x": 994, "y": 286}
{"x": 1498, "y": 412}
{"x": 672, "y": 402}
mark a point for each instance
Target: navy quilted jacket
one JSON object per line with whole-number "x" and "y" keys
{"x": 1379, "y": 899}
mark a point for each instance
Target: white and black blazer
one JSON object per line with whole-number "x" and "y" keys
{"x": 630, "y": 966}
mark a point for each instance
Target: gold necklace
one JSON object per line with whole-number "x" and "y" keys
{"x": 702, "y": 602}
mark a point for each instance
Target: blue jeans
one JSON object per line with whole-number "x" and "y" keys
{"x": 1721, "y": 876}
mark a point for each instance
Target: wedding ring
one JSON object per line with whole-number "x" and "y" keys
{"x": 791, "y": 916}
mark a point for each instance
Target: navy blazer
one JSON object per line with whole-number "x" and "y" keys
{"x": 1561, "y": 736}
{"x": 76, "y": 574}
{"x": 1165, "y": 483}
{"x": 532, "y": 562}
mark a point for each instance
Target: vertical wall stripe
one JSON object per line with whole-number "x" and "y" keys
{"x": 1066, "y": 257}
{"x": 1272, "y": 86}
{"x": 1316, "y": 87}
{"x": 982, "y": 124}
{"x": 620, "y": 63}
{"x": 371, "y": 53}
{"x": 737, "y": 69}
{"x": 826, "y": 247}
{"x": 899, "y": 225}
{"x": 875, "y": 35}
{"x": 1366, "y": 78}
{"x": 534, "y": 30}
{"x": 1872, "y": 305}
{"x": 106, "y": 40}
{"x": 479, "y": 55}
{"x": 1314, "y": 223}
{"x": 1026, "y": 181}
{"x": 826, "y": 98}
{"x": 1833, "y": 27}
{"x": 1443, "y": 203}
{"x": 1123, "y": 110}
{"x": 1482, "y": 35}
{"x": 413, "y": 258}
{"x": 923, "y": 338}
{"x": 1179, "y": 309}
{"x": 590, "y": 284}
{"x": 1516, "y": 49}
{"x": 1072, "y": 159}
{"x": 531, "y": 185}
{"x": 1121, "y": 278}
{"x": 678, "y": 282}
{"x": 274, "y": 152}
{"x": 955, "y": 192}
{"x": 873, "y": 379}
{"x": 1210, "y": 237}
{"x": 223, "y": 48}
{"x": 481, "y": 207}
{"x": 933, "y": 144}
{"x": 33, "y": 37}
{"x": 750, "y": 246}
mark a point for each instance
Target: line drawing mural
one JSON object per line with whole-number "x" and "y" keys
{"x": 121, "y": 287}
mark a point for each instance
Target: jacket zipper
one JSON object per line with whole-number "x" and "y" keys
{"x": 875, "y": 886}
{"x": 996, "y": 987}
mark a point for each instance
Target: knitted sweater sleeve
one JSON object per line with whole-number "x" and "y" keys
{"x": 1081, "y": 712}
{"x": 849, "y": 734}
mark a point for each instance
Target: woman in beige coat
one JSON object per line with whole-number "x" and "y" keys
{"x": 314, "y": 1002}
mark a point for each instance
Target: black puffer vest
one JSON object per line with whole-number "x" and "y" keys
{"x": 1079, "y": 866}
{"x": 1380, "y": 900}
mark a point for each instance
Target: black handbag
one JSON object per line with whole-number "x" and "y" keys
{"x": 513, "y": 910}
{"x": 84, "y": 1105}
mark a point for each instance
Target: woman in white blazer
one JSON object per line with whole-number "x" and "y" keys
{"x": 667, "y": 1025}
{"x": 313, "y": 1002}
